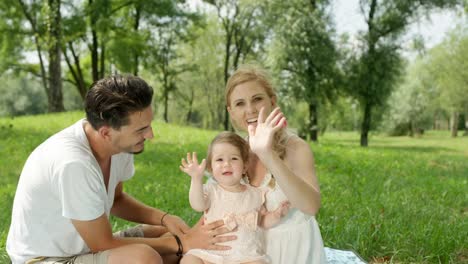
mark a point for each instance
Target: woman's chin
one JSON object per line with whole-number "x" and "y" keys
{"x": 253, "y": 124}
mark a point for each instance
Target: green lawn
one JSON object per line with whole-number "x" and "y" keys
{"x": 403, "y": 200}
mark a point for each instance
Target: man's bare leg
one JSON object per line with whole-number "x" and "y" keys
{"x": 135, "y": 253}
{"x": 191, "y": 259}
{"x": 159, "y": 231}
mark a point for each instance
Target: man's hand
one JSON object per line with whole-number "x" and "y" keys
{"x": 207, "y": 236}
{"x": 192, "y": 168}
{"x": 175, "y": 225}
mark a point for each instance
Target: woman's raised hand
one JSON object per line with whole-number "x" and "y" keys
{"x": 192, "y": 168}
{"x": 261, "y": 137}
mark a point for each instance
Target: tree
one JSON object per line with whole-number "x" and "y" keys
{"x": 448, "y": 64}
{"x": 131, "y": 40}
{"x": 45, "y": 24}
{"x": 243, "y": 29}
{"x": 165, "y": 57}
{"x": 374, "y": 71}
{"x": 104, "y": 36}
{"x": 206, "y": 81}
{"x": 307, "y": 56}
{"x": 73, "y": 48}
{"x": 21, "y": 95}
{"x": 11, "y": 33}
{"x": 54, "y": 34}
{"x": 413, "y": 104}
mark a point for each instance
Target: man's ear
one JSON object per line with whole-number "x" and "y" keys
{"x": 105, "y": 132}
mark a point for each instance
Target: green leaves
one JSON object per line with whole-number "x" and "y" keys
{"x": 306, "y": 57}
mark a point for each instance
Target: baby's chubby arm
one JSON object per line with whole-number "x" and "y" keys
{"x": 197, "y": 199}
{"x": 270, "y": 219}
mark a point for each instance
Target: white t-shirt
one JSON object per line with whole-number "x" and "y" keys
{"x": 61, "y": 180}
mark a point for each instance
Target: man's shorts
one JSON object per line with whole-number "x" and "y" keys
{"x": 91, "y": 258}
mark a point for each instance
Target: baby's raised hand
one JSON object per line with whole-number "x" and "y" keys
{"x": 192, "y": 168}
{"x": 283, "y": 209}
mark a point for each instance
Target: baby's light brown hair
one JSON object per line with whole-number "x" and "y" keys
{"x": 230, "y": 138}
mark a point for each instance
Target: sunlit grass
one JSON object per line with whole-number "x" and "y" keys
{"x": 402, "y": 199}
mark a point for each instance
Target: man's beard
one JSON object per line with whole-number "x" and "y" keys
{"x": 137, "y": 152}
{"x": 130, "y": 151}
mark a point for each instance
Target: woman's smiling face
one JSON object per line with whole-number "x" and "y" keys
{"x": 245, "y": 103}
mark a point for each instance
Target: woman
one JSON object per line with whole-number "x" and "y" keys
{"x": 283, "y": 162}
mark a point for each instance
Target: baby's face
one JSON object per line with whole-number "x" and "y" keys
{"x": 227, "y": 165}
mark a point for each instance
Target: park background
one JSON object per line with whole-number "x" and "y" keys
{"x": 385, "y": 110}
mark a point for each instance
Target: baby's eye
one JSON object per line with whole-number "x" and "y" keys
{"x": 219, "y": 159}
{"x": 235, "y": 158}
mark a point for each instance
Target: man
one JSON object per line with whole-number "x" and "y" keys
{"x": 73, "y": 181}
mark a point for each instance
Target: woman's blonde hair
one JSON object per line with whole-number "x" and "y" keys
{"x": 248, "y": 73}
{"x": 232, "y": 139}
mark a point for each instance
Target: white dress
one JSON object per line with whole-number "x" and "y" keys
{"x": 239, "y": 210}
{"x": 296, "y": 239}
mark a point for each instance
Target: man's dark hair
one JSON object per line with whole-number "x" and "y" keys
{"x": 111, "y": 100}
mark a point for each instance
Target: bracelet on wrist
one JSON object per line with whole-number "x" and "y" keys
{"x": 162, "y": 219}
{"x": 180, "y": 250}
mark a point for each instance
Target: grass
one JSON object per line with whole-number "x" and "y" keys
{"x": 401, "y": 200}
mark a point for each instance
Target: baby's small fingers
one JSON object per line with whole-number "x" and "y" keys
{"x": 218, "y": 247}
{"x": 221, "y": 239}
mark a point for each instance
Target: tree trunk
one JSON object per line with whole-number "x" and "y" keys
{"x": 55, "y": 69}
{"x": 366, "y": 123}
{"x": 102, "y": 60}
{"x": 136, "y": 57}
{"x": 189, "y": 114}
{"x": 95, "y": 44}
{"x": 226, "y": 72}
{"x": 372, "y": 40}
{"x": 313, "y": 126}
{"x": 166, "y": 106}
{"x": 410, "y": 129}
{"x": 454, "y": 124}
{"x": 166, "y": 97}
{"x": 466, "y": 121}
